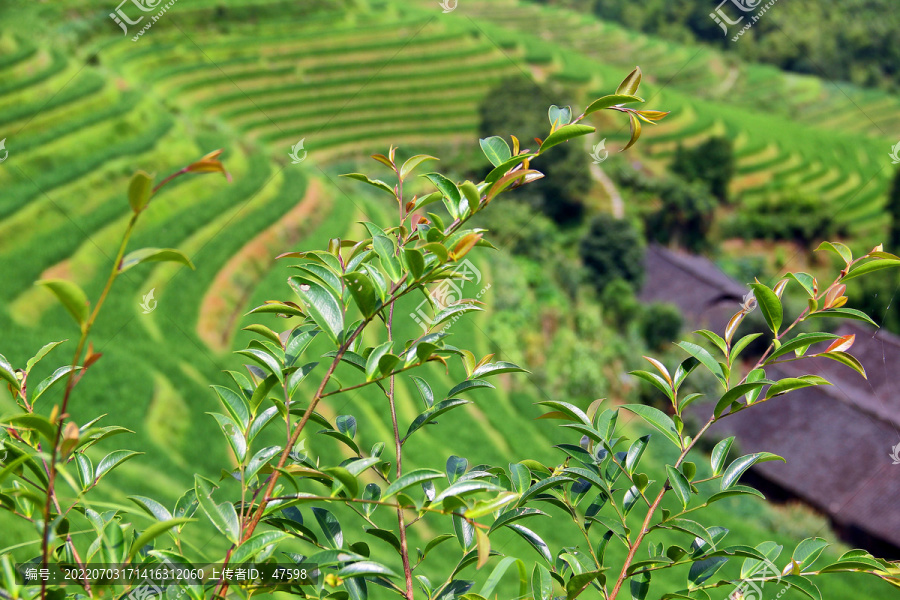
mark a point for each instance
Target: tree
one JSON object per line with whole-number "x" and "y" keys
{"x": 685, "y": 215}
{"x": 612, "y": 249}
{"x": 660, "y": 324}
{"x": 712, "y": 162}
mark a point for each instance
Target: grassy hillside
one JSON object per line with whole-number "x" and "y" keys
{"x": 82, "y": 107}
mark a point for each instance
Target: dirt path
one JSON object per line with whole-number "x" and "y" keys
{"x": 225, "y": 300}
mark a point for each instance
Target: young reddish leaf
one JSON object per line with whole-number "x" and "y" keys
{"x": 842, "y": 344}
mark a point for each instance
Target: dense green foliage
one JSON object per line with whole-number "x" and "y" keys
{"x": 793, "y": 216}
{"x": 711, "y": 162}
{"x": 612, "y": 249}
{"x": 850, "y": 41}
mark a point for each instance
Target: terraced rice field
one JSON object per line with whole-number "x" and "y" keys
{"x": 789, "y": 130}
{"x": 255, "y": 79}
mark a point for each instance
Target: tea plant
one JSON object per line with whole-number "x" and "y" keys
{"x": 288, "y": 501}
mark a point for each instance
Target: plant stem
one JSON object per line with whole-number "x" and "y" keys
{"x": 70, "y": 385}
{"x": 645, "y": 526}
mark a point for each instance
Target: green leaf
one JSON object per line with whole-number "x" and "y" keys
{"x": 330, "y": 526}
{"x": 789, "y": 384}
{"x": 800, "y": 342}
{"x": 235, "y": 404}
{"x": 491, "y": 582}
{"x": 705, "y": 358}
{"x": 737, "y": 468}
{"x": 630, "y": 84}
{"x": 449, "y": 190}
{"x": 410, "y": 479}
{"x": 31, "y": 361}
{"x": 223, "y": 515}
{"x": 559, "y": 116}
{"x": 690, "y": 527}
{"x": 415, "y": 262}
{"x": 846, "y": 359}
{"x": 388, "y": 536}
{"x": 802, "y": 584}
{"x": 613, "y": 100}
{"x": 438, "y": 409}
{"x": 413, "y": 162}
{"x": 132, "y": 259}
{"x": 386, "y": 251}
{"x": 640, "y": 586}
{"x": 719, "y": 454}
{"x": 486, "y": 507}
{"x": 735, "y": 490}
{"x": 503, "y": 168}
{"x": 844, "y": 313}
{"x": 154, "y": 531}
{"x": 365, "y": 567}
{"x": 679, "y": 484}
{"x": 655, "y": 380}
{"x": 51, "y": 380}
{"x": 140, "y": 189}
{"x": 839, "y": 249}
{"x": 807, "y": 551}
{"x": 33, "y": 421}
{"x": 496, "y": 149}
{"x": 543, "y": 485}
{"x": 85, "y": 472}
{"x": 769, "y": 304}
{"x": 658, "y": 419}
{"x": 468, "y": 385}
{"x": 534, "y": 539}
{"x": 372, "y": 361}
{"x": 491, "y": 369}
{"x": 363, "y": 291}
{"x": 564, "y": 134}
{"x": 579, "y": 582}
{"x": 572, "y": 411}
{"x": 635, "y": 452}
{"x": 541, "y": 583}
{"x": 806, "y": 281}
{"x": 71, "y": 297}
{"x": 702, "y": 570}
{"x": 113, "y": 460}
{"x": 731, "y": 396}
{"x": 8, "y": 373}
{"x": 256, "y": 544}
{"x": 346, "y": 479}
{"x": 321, "y": 305}
{"x": 373, "y": 182}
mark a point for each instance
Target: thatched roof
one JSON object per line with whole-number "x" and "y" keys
{"x": 706, "y": 297}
